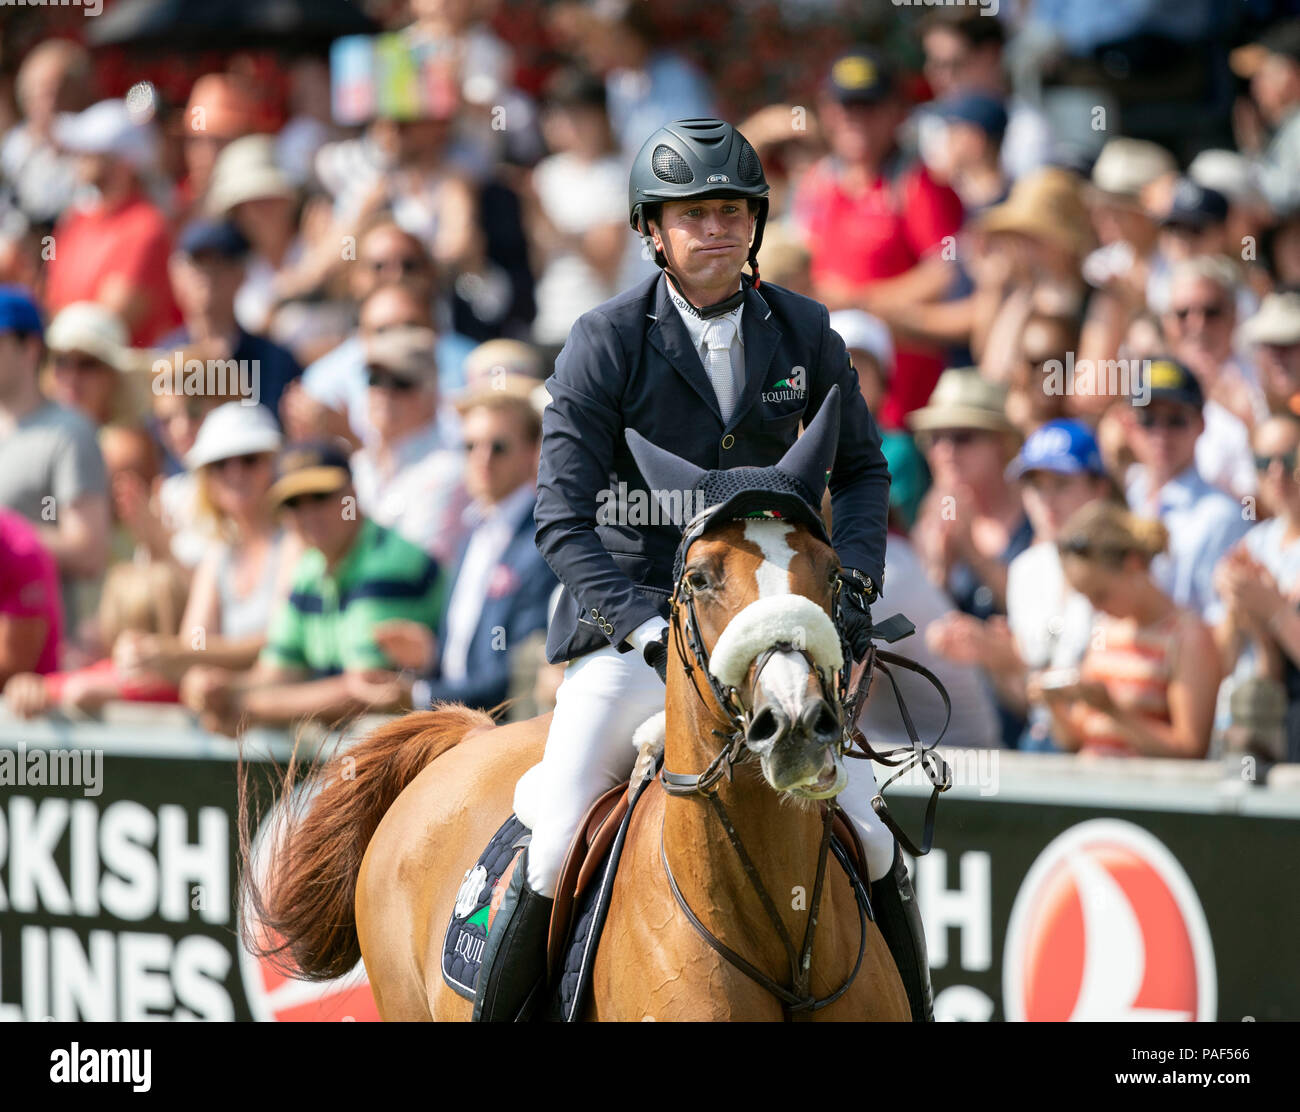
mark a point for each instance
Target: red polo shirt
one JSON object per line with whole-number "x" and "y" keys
{"x": 879, "y": 233}
{"x": 97, "y": 243}
{"x": 29, "y": 584}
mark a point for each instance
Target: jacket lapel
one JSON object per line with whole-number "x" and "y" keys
{"x": 761, "y": 339}
{"x": 669, "y": 337}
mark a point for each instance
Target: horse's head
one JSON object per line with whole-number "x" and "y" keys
{"x": 755, "y": 581}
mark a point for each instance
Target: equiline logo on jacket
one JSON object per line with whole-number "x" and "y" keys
{"x": 787, "y": 389}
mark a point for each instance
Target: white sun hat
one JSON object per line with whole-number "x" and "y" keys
{"x": 234, "y": 429}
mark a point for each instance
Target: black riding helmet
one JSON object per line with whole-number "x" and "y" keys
{"x": 694, "y": 160}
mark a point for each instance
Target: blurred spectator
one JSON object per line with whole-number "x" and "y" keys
{"x": 133, "y": 460}
{"x": 1272, "y": 66}
{"x": 788, "y": 142}
{"x": 498, "y": 363}
{"x": 1030, "y": 399}
{"x": 409, "y": 477}
{"x": 1259, "y": 579}
{"x": 1194, "y": 223}
{"x": 244, "y": 573}
{"x": 960, "y": 137}
{"x": 971, "y": 524}
{"x": 577, "y": 222}
{"x": 392, "y": 283}
{"x": 51, "y": 470}
{"x": 964, "y": 53}
{"x": 1148, "y": 680}
{"x": 207, "y": 270}
{"x": 91, "y": 366}
{"x": 784, "y": 260}
{"x": 913, "y": 594}
{"x": 502, "y": 585}
{"x": 1165, "y": 483}
{"x": 53, "y": 78}
{"x": 876, "y": 225}
{"x": 141, "y": 599}
{"x": 219, "y": 111}
{"x": 1198, "y": 326}
{"x": 1273, "y": 338}
{"x": 321, "y": 659}
{"x": 113, "y": 249}
{"x": 1048, "y": 623}
{"x": 648, "y": 83}
{"x": 31, "y": 614}
{"x": 871, "y": 349}
{"x": 1229, "y": 173}
{"x": 255, "y": 195}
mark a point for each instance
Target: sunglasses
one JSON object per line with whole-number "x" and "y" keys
{"x": 958, "y": 438}
{"x": 385, "y": 381}
{"x": 1286, "y": 459}
{"x": 495, "y": 447}
{"x": 1178, "y": 422}
{"x": 407, "y": 264}
{"x": 313, "y": 499}
{"x": 247, "y": 461}
{"x": 1209, "y": 312}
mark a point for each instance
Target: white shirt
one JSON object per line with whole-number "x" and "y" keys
{"x": 697, "y": 326}
{"x": 1050, "y": 622}
{"x": 493, "y": 528}
{"x": 422, "y": 497}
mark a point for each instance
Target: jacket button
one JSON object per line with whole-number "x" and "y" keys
{"x": 728, "y": 441}
{"x": 595, "y": 613}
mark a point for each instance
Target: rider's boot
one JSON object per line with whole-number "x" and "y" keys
{"x": 899, "y": 921}
{"x": 512, "y": 979}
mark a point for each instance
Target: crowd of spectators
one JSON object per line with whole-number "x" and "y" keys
{"x": 271, "y": 388}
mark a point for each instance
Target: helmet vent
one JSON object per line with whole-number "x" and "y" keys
{"x": 748, "y": 168}
{"x": 671, "y": 167}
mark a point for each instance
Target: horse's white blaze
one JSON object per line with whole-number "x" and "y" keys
{"x": 784, "y": 679}
{"x": 772, "y": 541}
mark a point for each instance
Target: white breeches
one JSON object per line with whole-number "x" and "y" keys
{"x": 604, "y": 697}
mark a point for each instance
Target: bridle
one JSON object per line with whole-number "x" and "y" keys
{"x": 736, "y": 720}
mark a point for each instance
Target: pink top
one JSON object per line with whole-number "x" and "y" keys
{"x": 29, "y": 584}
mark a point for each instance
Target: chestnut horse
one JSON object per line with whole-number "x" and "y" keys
{"x": 371, "y": 866}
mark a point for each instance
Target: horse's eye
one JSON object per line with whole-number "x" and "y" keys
{"x": 698, "y": 581}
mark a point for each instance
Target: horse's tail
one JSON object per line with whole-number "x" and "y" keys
{"x": 300, "y": 915}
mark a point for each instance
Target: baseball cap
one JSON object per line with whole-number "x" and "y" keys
{"x": 1170, "y": 381}
{"x": 219, "y": 237}
{"x": 18, "y": 311}
{"x": 1195, "y": 206}
{"x": 860, "y": 331}
{"x": 109, "y": 127}
{"x": 1066, "y": 446}
{"x": 234, "y": 429}
{"x": 1277, "y": 322}
{"x": 978, "y": 109}
{"x": 859, "y": 77}
{"x": 310, "y": 467}
{"x": 404, "y": 352}
{"x": 89, "y": 327}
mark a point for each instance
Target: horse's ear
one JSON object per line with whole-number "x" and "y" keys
{"x": 811, "y": 456}
{"x": 663, "y": 470}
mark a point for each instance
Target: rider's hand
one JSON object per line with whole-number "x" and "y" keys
{"x": 650, "y": 639}
{"x": 857, "y": 593}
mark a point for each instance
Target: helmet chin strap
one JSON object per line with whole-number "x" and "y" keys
{"x": 718, "y": 308}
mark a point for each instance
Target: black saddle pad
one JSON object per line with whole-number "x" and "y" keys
{"x": 462, "y": 947}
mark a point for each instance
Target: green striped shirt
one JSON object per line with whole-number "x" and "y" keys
{"x": 326, "y": 626}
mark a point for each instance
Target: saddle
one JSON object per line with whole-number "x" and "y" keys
{"x": 581, "y": 896}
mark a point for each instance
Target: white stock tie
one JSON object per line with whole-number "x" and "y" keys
{"x": 717, "y": 338}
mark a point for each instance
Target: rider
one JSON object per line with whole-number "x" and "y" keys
{"x": 720, "y": 369}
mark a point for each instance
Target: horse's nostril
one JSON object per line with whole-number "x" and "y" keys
{"x": 768, "y": 725}
{"x": 821, "y": 721}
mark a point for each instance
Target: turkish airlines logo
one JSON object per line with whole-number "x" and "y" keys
{"x": 1106, "y": 926}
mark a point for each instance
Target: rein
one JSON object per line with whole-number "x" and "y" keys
{"x": 735, "y": 721}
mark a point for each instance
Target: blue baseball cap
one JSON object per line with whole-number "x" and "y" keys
{"x": 978, "y": 109}
{"x": 215, "y": 237}
{"x": 18, "y": 311}
{"x": 1067, "y": 447}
